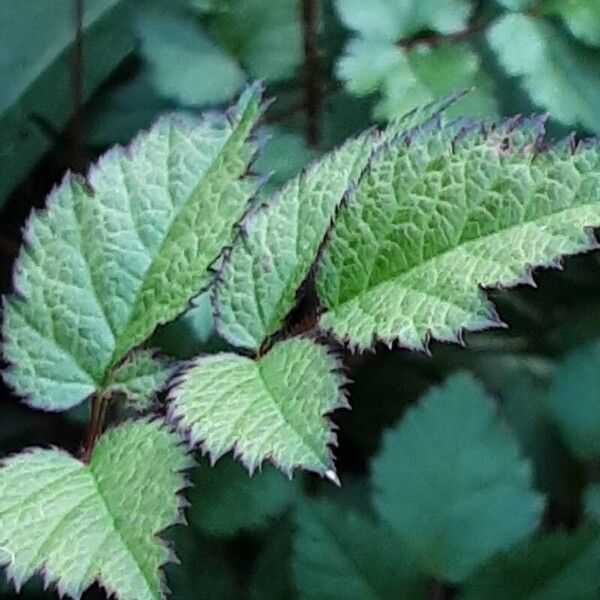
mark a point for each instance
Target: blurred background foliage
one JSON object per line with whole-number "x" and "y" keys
{"x": 81, "y": 75}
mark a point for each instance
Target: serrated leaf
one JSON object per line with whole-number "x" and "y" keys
{"x": 111, "y": 260}
{"x": 226, "y": 500}
{"x": 559, "y": 75}
{"x": 270, "y": 408}
{"x": 573, "y": 400}
{"x": 407, "y": 79}
{"x": 591, "y": 501}
{"x": 36, "y": 45}
{"x": 341, "y": 554}
{"x": 443, "y": 212}
{"x": 554, "y": 567}
{"x": 451, "y": 483}
{"x": 139, "y": 378}
{"x": 265, "y": 36}
{"x": 391, "y": 20}
{"x": 260, "y": 276}
{"x": 184, "y": 63}
{"x": 98, "y": 521}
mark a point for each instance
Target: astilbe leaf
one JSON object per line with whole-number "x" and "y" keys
{"x": 268, "y": 408}
{"x": 117, "y": 255}
{"x": 79, "y": 523}
{"x": 444, "y": 211}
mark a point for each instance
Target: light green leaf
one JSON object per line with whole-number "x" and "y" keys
{"x": 554, "y": 567}
{"x": 36, "y": 46}
{"x": 451, "y": 482}
{"x": 517, "y": 5}
{"x": 559, "y": 75}
{"x": 591, "y": 501}
{"x": 264, "y": 36}
{"x": 443, "y": 212}
{"x": 259, "y": 279}
{"x": 391, "y": 20}
{"x": 582, "y": 17}
{"x": 112, "y": 259}
{"x": 408, "y": 79}
{"x": 339, "y": 554}
{"x": 98, "y": 521}
{"x": 226, "y": 500}
{"x": 270, "y": 408}
{"x": 185, "y": 64}
{"x": 574, "y": 400}
{"x": 139, "y": 378}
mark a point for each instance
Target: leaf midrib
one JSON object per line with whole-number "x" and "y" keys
{"x": 447, "y": 251}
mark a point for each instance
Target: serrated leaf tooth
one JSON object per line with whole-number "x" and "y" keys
{"x": 332, "y": 476}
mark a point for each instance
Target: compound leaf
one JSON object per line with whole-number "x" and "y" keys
{"x": 112, "y": 259}
{"x": 558, "y": 74}
{"x": 139, "y": 378}
{"x": 451, "y": 483}
{"x": 391, "y": 20}
{"x": 339, "y": 554}
{"x": 556, "y": 566}
{"x": 226, "y": 500}
{"x": 573, "y": 400}
{"x": 269, "y": 408}
{"x": 99, "y": 521}
{"x": 444, "y": 211}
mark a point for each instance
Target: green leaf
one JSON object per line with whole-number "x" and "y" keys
{"x": 558, "y": 74}
{"x": 98, "y": 521}
{"x": 185, "y": 64}
{"x": 574, "y": 400}
{"x": 451, "y": 482}
{"x": 112, "y": 259}
{"x": 582, "y": 17}
{"x": 408, "y": 79}
{"x": 391, "y": 20}
{"x": 259, "y": 279}
{"x": 342, "y": 554}
{"x": 444, "y": 211}
{"x": 554, "y": 567}
{"x": 36, "y": 43}
{"x": 592, "y": 501}
{"x": 264, "y": 36}
{"x": 269, "y": 408}
{"x": 226, "y": 500}
{"x": 517, "y": 5}
{"x": 139, "y": 378}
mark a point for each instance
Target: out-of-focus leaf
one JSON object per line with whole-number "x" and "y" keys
{"x": 517, "y": 5}
{"x": 225, "y": 499}
{"x": 582, "y": 17}
{"x": 390, "y": 20}
{"x": 451, "y": 482}
{"x": 205, "y": 571}
{"x": 36, "y": 58}
{"x": 591, "y": 501}
{"x": 272, "y": 577}
{"x": 574, "y": 400}
{"x": 407, "y": 79}
{"x": 559, "y": 75}
{"x": 120, "y": 112}
{"x": 264, "y": 36}
{"x": 343, "y": 555}
{"x": 283, "y": 156}
{"x": 184, "y": 63}
{"x": 524, "y": 407}
{"x": 558, "y": 566}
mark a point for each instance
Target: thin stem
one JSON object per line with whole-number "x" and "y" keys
{"x": 77, "y": 88}
{"x": 312, "y": 95}
{"x": 97, "y": 413}
{"x": 437, "y": 590}
{"x": 433, "y": 40}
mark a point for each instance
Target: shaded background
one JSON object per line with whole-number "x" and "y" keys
{"x": 79, "y": 76}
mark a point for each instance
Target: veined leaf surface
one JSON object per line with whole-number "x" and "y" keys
{"x": 445, "y": 211}
{"x": 270, "y": 408}
{"x": 99, "y": 521}
{"x": 112, "y": 259}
